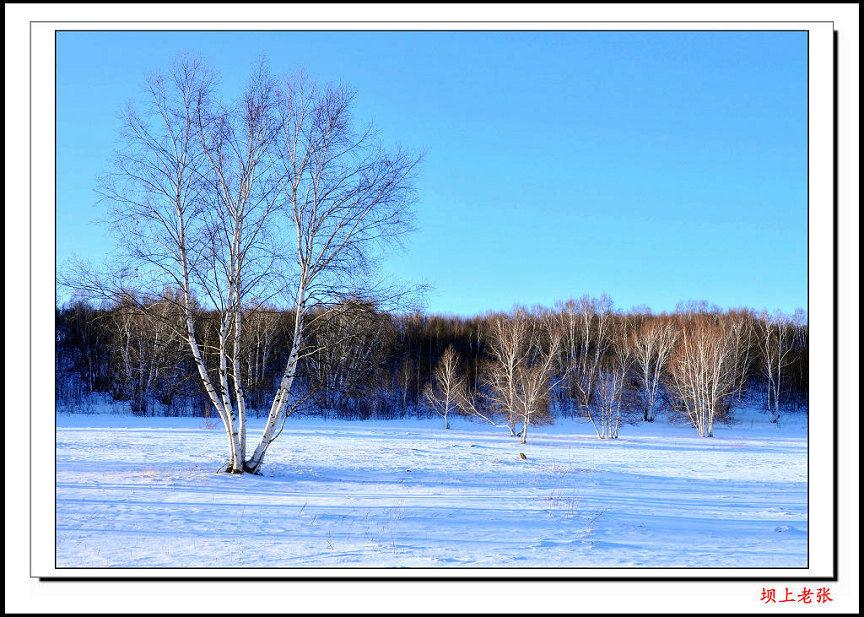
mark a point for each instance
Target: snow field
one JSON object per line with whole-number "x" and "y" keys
{"x": 145, "y": 492}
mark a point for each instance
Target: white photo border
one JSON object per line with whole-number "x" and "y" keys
{"x": 821, "y": 309}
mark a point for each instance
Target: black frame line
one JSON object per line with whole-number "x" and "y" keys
{"x": 468, "y": 578}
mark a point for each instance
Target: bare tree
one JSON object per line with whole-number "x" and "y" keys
{"x": 474, "y": 403}
{"x": 81, "y": 333}
{"x": 742, "y": 331}
{"x": 586, "y": 324}
{"x": 348, "y": 344}
{"x": 776, "y": 341}
{"x": 508, "y": 350}
{"x": 535, "y": 379}
{"x": 702, "y": 370}
{"x": 343, "y": 196}
{"x": 195, "y": 195}
{"x": 404, "y": 380}
{"x": 443, "y": 393}
{"x": 144, "y": 343}
{"x": 168, "y": 220}
{"x": 612, "y": 380}
{"x": 519, "y": 375}
{"x": 652, "y": 345}
{"x": 235, "y": 258}
{"x": 800, "y": 370}
{"x": 261, "y": 336}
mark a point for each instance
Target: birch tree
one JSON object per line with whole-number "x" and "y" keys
{"x": 262, "y": 333}
{"x": 236, "y": 261}
{"x": 443, "y": 393}
{"x": 144, "y": 345}
{"x": 519, "y": 375}
{"x": 612, "y": 380}
{"x": 536, "y": 379}
{"x": 585, "y": 324}
{"x": 652, "y": 344}
{"x": 801, "y": 369}
{"x": 276, "y": 196}
{"x": 743, "y": 333}
{"x": 776, "y": 343}
{"x": 163, "y": 206}
{"x": 508, "y": 350}
{"x": 702, "y": 371}
{"x": 343, "y": 198}
{"x": 347, "y": 345}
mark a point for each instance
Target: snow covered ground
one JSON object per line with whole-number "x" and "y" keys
{"x": 145, "y": 492}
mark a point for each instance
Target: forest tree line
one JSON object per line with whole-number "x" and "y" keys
{"x": 581, "y": 358}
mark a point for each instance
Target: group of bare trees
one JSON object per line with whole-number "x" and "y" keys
{"x": 515, "y": 379}
{"x": 139, "y": 356}
{"x": 702, "y": 371}
{"x": 119, "y": 351}
{"x": 513, "y": 370}
{"x": 779, "y": 339}
{"x": 609, "y": 366}
{"x": 144, "y": 351}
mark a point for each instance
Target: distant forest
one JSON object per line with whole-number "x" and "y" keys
{"x": 581, "y": 358}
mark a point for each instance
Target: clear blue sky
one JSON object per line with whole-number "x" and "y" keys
{"x": 654, "y": 167}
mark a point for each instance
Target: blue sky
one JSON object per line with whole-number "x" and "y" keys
{"x": 651, "y": 166}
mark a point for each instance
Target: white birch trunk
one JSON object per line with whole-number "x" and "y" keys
{"x": 236, "y": 464}
{"x": 525, "y": 428}
{"x": 277, "y": 409}
{"x": 208, "y": 386}
{"x": 239, "y": 395}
